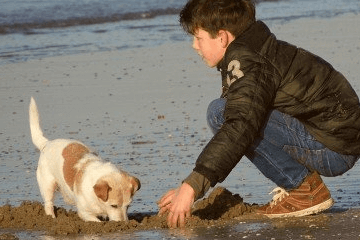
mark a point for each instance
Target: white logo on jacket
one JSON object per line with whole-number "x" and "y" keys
{"x": 234, "y": 72}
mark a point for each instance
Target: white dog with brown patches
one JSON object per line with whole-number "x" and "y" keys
{"x": 97, "y": 188}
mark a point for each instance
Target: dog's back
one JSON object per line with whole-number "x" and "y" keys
{"x": 36, "y": 133}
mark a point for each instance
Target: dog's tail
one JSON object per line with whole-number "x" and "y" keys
{"x": 36, "y": 133}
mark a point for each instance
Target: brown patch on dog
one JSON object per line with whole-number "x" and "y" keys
{"x": 72, "y": 154}
{"x": 101, "y": 190}
{"x": 136, "y": 185}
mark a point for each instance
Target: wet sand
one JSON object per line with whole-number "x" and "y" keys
{"x": 144, "y": 110}
{"x": 220, "y": 207}
{"x": 222, "y": 215}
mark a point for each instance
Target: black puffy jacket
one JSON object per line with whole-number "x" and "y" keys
{"x": 261, "y": 73}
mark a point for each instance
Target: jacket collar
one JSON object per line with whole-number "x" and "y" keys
{"x": 254, "y": 38}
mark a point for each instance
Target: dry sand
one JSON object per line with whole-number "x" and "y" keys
{"x": 144, "y": 109}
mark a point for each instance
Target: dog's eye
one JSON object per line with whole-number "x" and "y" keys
{"x": 115, "y": 206}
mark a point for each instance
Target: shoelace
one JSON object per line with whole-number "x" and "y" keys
{"x": 280, "y": 194}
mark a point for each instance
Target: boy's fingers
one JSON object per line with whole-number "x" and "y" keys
{"x": 188, "y": 214}
{"x": 181, "y": 220}
{"x": 176, "y": 220}
{"x": 165, "y": 199}
{"x": 172, "y": 220}
{"x": 164, "y": 209}
{"x": 183, "y": 217}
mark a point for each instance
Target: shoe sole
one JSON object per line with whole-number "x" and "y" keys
{"x": 308, "y": 211}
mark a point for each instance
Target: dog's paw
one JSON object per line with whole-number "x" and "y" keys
{"x": 49, "y": 210}
{"x": 88, "y": 217}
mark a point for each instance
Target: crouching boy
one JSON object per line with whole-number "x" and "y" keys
{"x": 288, "y": 111}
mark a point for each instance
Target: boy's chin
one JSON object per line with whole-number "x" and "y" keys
{"x": 209, "y": 64}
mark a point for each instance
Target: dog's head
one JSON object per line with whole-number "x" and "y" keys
{"x": 115, "y": 191}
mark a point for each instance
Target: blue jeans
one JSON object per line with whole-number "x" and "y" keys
{"x": 287, "y": 152}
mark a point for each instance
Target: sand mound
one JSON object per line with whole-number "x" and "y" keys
{"x": 221, "y": 206}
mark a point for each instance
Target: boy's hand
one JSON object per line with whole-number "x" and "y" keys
{"x": 177, "y": 202}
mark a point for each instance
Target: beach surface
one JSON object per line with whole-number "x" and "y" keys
{"x": 144, "y": 110}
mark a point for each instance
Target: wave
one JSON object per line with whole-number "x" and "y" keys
{"x": 28, "y": 28}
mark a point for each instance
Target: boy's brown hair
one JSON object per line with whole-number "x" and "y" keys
{"x": 212, "y": 16}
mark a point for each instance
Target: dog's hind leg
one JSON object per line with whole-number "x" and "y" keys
{"x": 47, "y": 186}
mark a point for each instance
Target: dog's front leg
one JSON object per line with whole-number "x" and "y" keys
{"x": 49, "y": 209}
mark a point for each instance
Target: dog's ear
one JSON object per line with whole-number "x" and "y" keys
{"x": 136, "y": 185}
{"x": 101, "y": 190}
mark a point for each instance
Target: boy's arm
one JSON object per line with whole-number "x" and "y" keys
{"x": 253, "y": 83}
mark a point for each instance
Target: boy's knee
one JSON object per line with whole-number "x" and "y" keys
{"x": 218, "y": 103}
{"x": 215, "y": 114}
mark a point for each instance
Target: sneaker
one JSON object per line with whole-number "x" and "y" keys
{"x": 311, "y": 197}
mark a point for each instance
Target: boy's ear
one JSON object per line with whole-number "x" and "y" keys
{"x": 225, "y": 37}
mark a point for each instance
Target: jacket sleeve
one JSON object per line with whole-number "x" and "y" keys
{"x": 199, "y": 183}
{"x": 252, "y": 86}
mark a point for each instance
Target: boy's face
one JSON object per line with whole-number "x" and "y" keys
{"x": 211, "y": 50}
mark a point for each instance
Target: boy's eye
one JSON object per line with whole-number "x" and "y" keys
{"x": 114, "y": 206}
